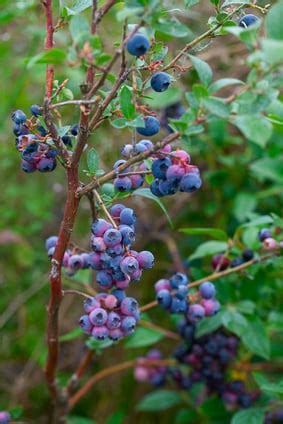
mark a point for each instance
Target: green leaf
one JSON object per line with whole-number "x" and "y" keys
{"x": 116, "y": 418}
{"x": 216, "y": 106}
{"x": 71, "y": 335}
{"x": 249, "y": 416}
{"x": 74, "y": 419}
{"x": 78, "y": 6}
{"x": 98, "y": 345}
{"x": 207, "y": 325}
{"x": 190, "y": 3}
{"x": 234, "y": 322}
{"x": 203, "y": 69}
{"x": 145, "y": 192}
{"x": 208, "y": 249}
{"x": 63, "y": 130}
{"x": 167, "y": 98}
{"x": 126, "y": 102}
{"x": 244, "y": 203}
{"x": 255, "y": 127}
{"x": 143, "y": 337}
{"x": 119, "y": 123}
{"x": 53, "y": 56}
{"x": 273, "y": 22}
{"x": 78, "y": 27}
{"x": 159, "y": 400}
{"x": 273, "y": 50}
{"x": 255, "y": 338}
{"x": 224, "y": 82}
{"x": 268, "y": 169}
{"x": 173, "y": 28}
{"x": 92, "y": 160}
{"x": 212, "y": 232}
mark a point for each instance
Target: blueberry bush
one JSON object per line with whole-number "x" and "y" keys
{"x": 128, "y": 106}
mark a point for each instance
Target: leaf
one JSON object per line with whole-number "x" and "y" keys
{"x": 78, "y": 7}
{"x": 74, "y": 419}
{"x": 268, "y": 169}
{"x": 249, "y": 416}
{"x": 116, "y": 418}
{"x": 256, "y": 128}
{"x": 159, "y": 400}
{"x": 167, "y": 98}
{"x": 98, "y": 345}
{"x": 261, "y": 220}
{"x": 273, "y": 50}
{"x": 143, "y": 337}
{"x": 212, "y": 232}
{"x": 119, "y": 123}
{"x": 224, "y": 82}
{"x": 208, "y": 249}
{"x": 203, "y": 69}
{"x": 173, "y": 28}
{"x": 78, "y": 27}
{"x": 244, "y": 203}
{"x": 53, "y": 56}
{"x": 126, "y": 102}
{"x": 190, "y": 3}
{"x": 71, "y": 335}
{"x": 216, "y": 106}
{"x": 273, "y": 22}
{"x": 234, "y": 322}
{"x": 63, "y": 130}
{"x": 207, "y": 325}
{"x": 255, "y": 338}
{"x": 145, "y": 192}
{"x": 92, "y": 160}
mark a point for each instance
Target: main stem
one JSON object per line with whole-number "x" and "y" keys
{"x": 48, "y": 45}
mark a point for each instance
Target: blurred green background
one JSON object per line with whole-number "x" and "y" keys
{"x": 240, "y": 179}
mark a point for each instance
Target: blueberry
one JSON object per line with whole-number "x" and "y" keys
{"x": 99, "y": 227}
{"x": 128, "y": 216}
{"x": 146, "y": 143}
{"x": 154, "y": 188}
{"x": 36, "y": 110}
{"x": 196, "y": 312}
{"x": 247, "y": 255}
{"x": 46, "y": 165}
{"x": 5, "y": 417}
{"x": 112, "y": 237}
{"x": 190, "y": 182}
{"x": 128, "y": 325}
{"x": 51, "y": 242}
{"x": 160, "y": 81}
{"x": 113, "y": 321}
{"x": 136, "y": 181}
{"x": 129, "y": 265}
{"x": 145, "y": 259}
{"x": 115, "y": 334}
{"x": 248, "y": 20}
{"x": 179, "y": 279}
{"x": 51, "y": 251}
{"x": 28, "y": 167}
{"x": 123, "y": 184}
{"x": 85, "y": 324}
{"x": 67, "y": 140}
{"x": 128, "y": 234}
{"x": 178, "y": 306}
{"x": 75, "y": 262}
{"x": 130, "y": 307}
{"x": 52, "y": 153}
{"x": 116, "y": 210}
{"x": 138, "y": 45}
{"x": 127, "y": 150}
{"x": 100, "y": 333}
{"x": 160, "y": 167}
{"x": 151, "y": 126}
{"x": 119, "y": 294}
{"x": 207, "y": 290}
{"x": 97, "y": 244}
{"x": 168, "y": 187}
{"x": 75, "y": 129}
{"x": 264, "y": 234}
{"x": 104, "y": 279}
{"x": 182, "y": 292}
{"x": 98, "y": 317}
{"x": 19, "y": 117}
{"x": 42, "y": 131}
{"x": 236, "y": 262}
{"x": 90, "y": 304}
{"x": 115, "y": 251}
{"x": 175, "y": 172}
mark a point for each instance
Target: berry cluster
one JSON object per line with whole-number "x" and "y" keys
{"x": 204, "y": 360}
{"x": 274, "y": 417}
{"x": 116, "y": 264}
{"x": 221, "y": 262}
{"x": 72, "y": 260}
{"x": 5, "y": 417}
{"x": 174, "y": 173}
{"x": 248, "y": 20}
{"x": 154, "y": 375}
{"x": 172, "y": 294}
{"x": 110, "y": 316}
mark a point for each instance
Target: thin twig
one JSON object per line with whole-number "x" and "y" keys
{"x": 48, "y": 45}
{"x": 76, "y": 292}
{"x": 103, "y": 207}
{"x": 73, "y": 102}
{"x": 167, "y": 333}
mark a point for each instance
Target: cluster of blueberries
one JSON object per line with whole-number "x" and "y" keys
{"x": 203, "y": 360}
{"x": 221, "y": 262}
{"x": 5, "y": 417}
{"x": 274, "y": 417}
{"x": 112, "y": 257}
{"x": 37, "y": 151}
{"x": 174, "y": 173}
{"x": 110, "y": 315}
{"x": 172, "y": 295}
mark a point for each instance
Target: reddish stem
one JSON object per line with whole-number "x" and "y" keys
{"x": 49, "y": 42}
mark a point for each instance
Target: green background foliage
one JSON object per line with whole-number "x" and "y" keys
{"x": 239, "y": 152}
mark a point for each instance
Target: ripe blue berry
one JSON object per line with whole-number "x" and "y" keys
{"x": 145, "y": 259}
{"x": 100, "y": 333}
{"x": 196, "y": 312}
{"x": 67, "y": 140}
{"x": 178, "y": 306}
{"x": 28, "y": 167}
{"x": 138, "y": 45}
{"x": 104, "y": 279}
{"x": 128, "y": 325}
{"x": 129, "y": 265}
{"x": 97, "y": 244}
{"x": 90, "y": 304}
{"x": 127, "y": 150}
{"x": 85, "y": 324}
{"x": 116, "y": 210}
{"x": 264, "y": 234}
{"x": 164, "y": 298}
{"x": 190, "y": 182}
{"x": 98, "y": 316}
{"x": 128, "y": 216}
{"x": 179, "y": 279}
{"x": 75, "y": 262}
{"x": 5, "y": 417}
{"x": 154, "y": 188}
{"x": 99, "y": 227}
{"x": 247, "y": 255}
{"x": 75, "y": 129}
{"x": 248, "y": 20}
{"x": 207, "y": 290}
{"x": 119, "y": 294}
{"x": 160, "y": 81}
{"x": 36, "y": 110}
{"x": 46, "y": 165}
{"x": 160, "y": 167}
{"x": 113, "y": 321}
{"x": 123, "y": 184}
{"x": 128, "y": 235}
{"x": 19, "y": 117}
{"x": 112, "y": 237}
{"x": 151, "y": 126}
{"x": 51, "y": 242}
{"x": 115, "y": 334}
{"x": 129, "y": 306}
